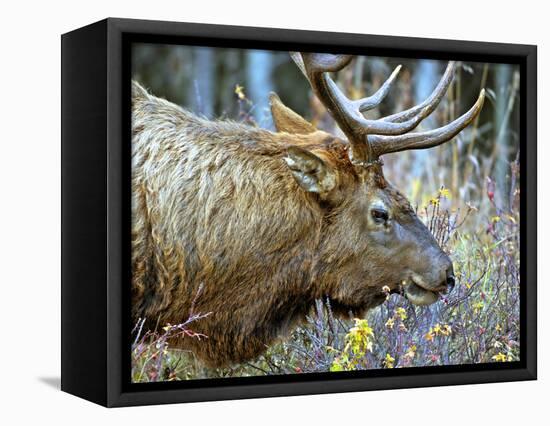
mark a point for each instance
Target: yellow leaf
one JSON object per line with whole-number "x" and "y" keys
{"x": 500, "y": 357}
{"x": 411, "y": 352}
{"x": 239, "y": 91}
{"x": 446, "y": 330}
{"x": 389, "y": 361}
{"x": 445, "y": 193}
{"x": 336, "y": 366}
{"x": 401, "y": 313}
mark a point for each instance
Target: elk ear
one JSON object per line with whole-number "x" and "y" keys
{"x": 286, "y": 120}
{"x": 311, "y": 172}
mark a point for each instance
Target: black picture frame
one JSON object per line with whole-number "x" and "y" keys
{"x": 95, "y": 212}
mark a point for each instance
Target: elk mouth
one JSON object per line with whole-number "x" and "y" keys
{"x": 418, "y": 294}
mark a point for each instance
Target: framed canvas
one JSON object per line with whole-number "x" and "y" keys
{"x": 254, "y": 212}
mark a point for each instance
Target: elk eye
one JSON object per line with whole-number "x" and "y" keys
{"x": 379, "y": 215}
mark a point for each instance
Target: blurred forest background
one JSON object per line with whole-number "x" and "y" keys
{"x": 235, "y": 83}
{"x": 466, "y": 190}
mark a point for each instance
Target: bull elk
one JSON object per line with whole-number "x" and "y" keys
{"x": 267, "y": 222}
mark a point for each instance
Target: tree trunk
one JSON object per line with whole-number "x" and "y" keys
{"x": 203, "y": 81}
{"x": 259, "y": 67}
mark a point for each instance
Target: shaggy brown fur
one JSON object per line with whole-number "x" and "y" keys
{"x": 214, "y": 203}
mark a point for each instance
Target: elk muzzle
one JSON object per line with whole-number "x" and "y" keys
{"x": 419, "y": 291}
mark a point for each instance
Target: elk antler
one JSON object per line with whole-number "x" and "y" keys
{"x": 371, "y": 138}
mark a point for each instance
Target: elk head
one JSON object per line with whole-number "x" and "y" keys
{"x": 372, "y": 237}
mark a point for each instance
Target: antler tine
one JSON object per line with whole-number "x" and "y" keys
{"x": 373, "y": 101}
{"x": 386, "y": 144}
{"x": 371, "y": 138}
{"x": 345, "y": 111}
{"x": 432, "y": 100}
{"x": 297, "y": 58}
{"x": 364, "y": 104}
